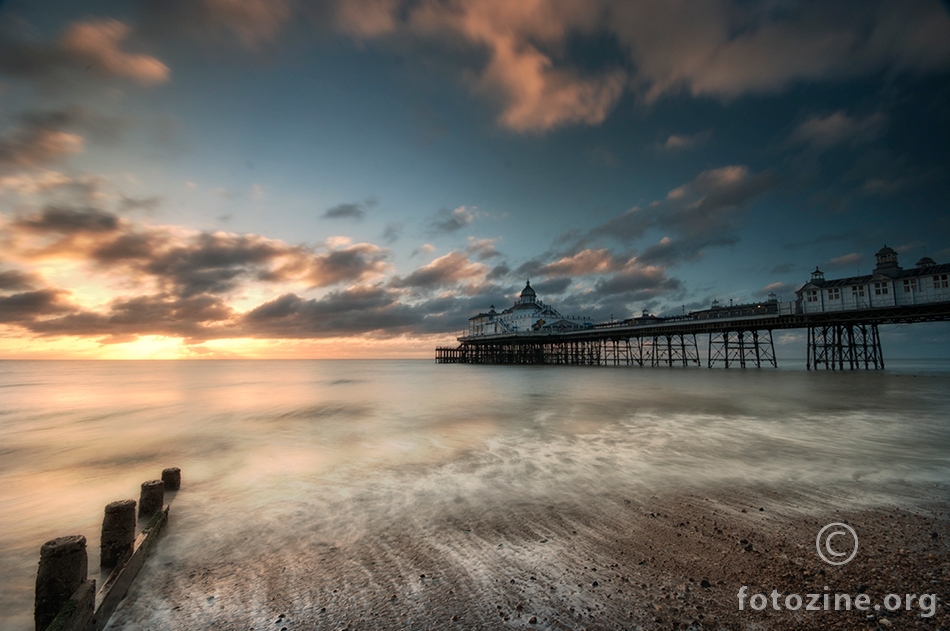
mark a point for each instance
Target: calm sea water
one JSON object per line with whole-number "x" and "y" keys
{"x": 344, "y": 445}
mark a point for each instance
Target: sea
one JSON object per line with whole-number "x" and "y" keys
{"x": 346, "y": 446}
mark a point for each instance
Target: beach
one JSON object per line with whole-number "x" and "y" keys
{"x": 407, "y": 495}
{"x": 664, "y": 562}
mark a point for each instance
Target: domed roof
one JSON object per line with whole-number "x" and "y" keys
{"x": 527, "y": 292}
{"x": 885, "y": 251}
{"x": 925, "y": 262}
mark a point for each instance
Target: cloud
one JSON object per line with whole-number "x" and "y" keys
{"x": 447, "y": 270}
{"x": 367, "y": 18}
{"x": 553, "y": 286}
{"x": 39, "y": 139}
{"x": 838, "y": 128}
{"x": 638, "y": 282}
{"x": 84, "y": 49}
{"x": 250, "y": 22}
{"x": 536, "y": 91}
{"x": 218, "y": 262}
{"x": 779, "y": 289}
{"x": 196, "y": 318}
{"x": 186, "y": 264}
{"x": 360, "y": 309}
{"x": 392, "y": 232}
{"x": 783, "y": 268}
{"x": 499, "y": 271}
{"x": 29, "y": 305}
{"x": 585, "y": 262}
{"x": 66, "y": 221}
{"x": 15, "y": 280}
{"x": 521, "y": 56}
{"x": 482, "y": 249}
{"x": 683, "y": 142}
{"x": 700, "y": 213}
{"x": 148, "y": 204}
{"x": 449, "y": 221}
{"x": 31, "y": 183}
{"x": 847, "y": 260}
{"x": 345, "y": 211}
{"x": 355, "y": 211}
{"x": 726, "y": 49}
{"x": 97, "y": 43}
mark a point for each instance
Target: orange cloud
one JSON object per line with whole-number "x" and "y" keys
{"x": 98, "y": 43}
{"x": 584, "y": 262}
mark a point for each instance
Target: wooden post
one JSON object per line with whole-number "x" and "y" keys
{"x": 118, "y": 532}
{"x": 152, "y": 498}
{"x": 63, "y": 569}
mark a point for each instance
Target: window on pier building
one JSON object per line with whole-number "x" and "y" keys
{"x": 880, "y": 289}
{"x": 834, "y": 294}
{"x": 858, "y": 291}
{"x": 910, "y": 285}
{"x": 812, "y": 296}
{"x": 941, "y": 282}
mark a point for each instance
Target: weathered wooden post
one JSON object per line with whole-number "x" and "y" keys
{"x": 172, "y": 478}
{"x": 151, "y": 498}
{"x": 63, "y": 569}
{"x": 118, "y": 532}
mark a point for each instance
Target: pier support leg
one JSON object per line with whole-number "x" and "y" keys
{"x": 836, "y": 345}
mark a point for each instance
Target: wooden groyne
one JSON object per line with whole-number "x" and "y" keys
{"x": 66, "y": 598}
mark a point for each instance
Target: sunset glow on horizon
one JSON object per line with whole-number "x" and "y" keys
{"x": 194, "y": 179}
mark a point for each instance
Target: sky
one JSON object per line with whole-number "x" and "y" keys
{"x": 290, "y": 179}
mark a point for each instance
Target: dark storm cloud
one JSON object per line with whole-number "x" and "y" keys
{"x": 553, "y": 286}
{"x": 219, "y": 262}
{"x": 187, "y": 265}
{"x": 14, "y": 280}
{"x": 362, "y": 309}
{"x": 65, "y": 220}
{"x": 195, "y": 318}
{"x": 26, "y": 306}
{"x": 699, "y": 214}
{"x": 345, "y": 211}
{"x": 130, "y": 246}
{"x": 638, "y": 283}
{"x": 499, "y": 271}
{"x": 532, "y": 64}
{"x": 447, "y": 221}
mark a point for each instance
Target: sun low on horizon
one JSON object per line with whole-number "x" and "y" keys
{"x": 200, "y": 179}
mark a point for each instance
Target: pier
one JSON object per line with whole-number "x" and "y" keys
{"x": 842, "y": 319}
{"x": 836, "y": 341}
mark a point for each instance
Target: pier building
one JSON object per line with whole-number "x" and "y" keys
{"x": 889, "y": 285}
{"x": 526, "y": 314}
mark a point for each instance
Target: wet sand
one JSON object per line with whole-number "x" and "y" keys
{"x": 668, "y": 561}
